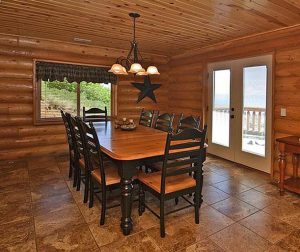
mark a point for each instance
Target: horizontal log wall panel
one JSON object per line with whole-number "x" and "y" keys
{"x": 18, "y": 136}
{"x": 15, "y": 109}
{"x": 284, "y": 45}
{"x": 16, "y": 85}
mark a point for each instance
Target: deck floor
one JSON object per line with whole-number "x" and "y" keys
{"x": 40, "y": 211}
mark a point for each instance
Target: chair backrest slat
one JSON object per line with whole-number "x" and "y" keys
{"x": 94, "y": 157}
{"x": 68, "y": 130}
{"x": 95, "y": 115}
{"x": 188, "y": 122}
{"x": 146, "y": 118}
{"x": 164, "y": 122}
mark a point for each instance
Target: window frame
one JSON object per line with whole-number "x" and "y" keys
{"x": 37, "y": 120}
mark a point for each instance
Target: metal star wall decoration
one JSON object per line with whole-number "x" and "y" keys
{"x": 146, "y": 88}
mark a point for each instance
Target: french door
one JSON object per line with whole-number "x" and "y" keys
{"x": 240, "y": 111}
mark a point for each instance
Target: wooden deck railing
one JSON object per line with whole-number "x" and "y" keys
{"x": 253, "y": 119}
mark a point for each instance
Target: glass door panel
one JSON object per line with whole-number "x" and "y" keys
{"x": 221, "y": 107}
{"x": 254, "y": 110}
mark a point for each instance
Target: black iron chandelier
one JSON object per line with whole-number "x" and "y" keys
{"x": 132, "y": 64}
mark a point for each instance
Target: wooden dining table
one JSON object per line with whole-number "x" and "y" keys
{"x": 129, "y": 149}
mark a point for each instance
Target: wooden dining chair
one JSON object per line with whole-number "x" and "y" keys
{"x": 174, "y": 181}
{"x": 70, "y": 143}
{"x": 146, "y": 118}
{"x": 101, "y": 171}
{"x": 164, "y": 122}
{"x": 188, "y": 122}
{"x": 80, "y": 159}
{"x": 95, "y": 115}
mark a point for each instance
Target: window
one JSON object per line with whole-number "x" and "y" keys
{"x": 53, "y": 95}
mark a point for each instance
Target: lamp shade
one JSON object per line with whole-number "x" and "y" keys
{"x": 152, "y": 70}
{"x": 135, "y": 68}
{"x": 118, "y": 69}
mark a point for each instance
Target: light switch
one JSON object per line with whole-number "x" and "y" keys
{"x": 283, "y": 112}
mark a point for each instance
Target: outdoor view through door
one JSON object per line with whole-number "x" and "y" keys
{"x": 240, "y": 115}
{"x": 254, "y": 109}
{"x": 221, "y": 107}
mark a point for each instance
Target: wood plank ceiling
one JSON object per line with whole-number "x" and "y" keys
{"x": 165, "y": 27}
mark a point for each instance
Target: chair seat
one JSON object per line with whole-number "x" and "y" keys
{"x": 157, "y": 166}
{"x": 173, "y": 183}
{"x": 111, "y": 174}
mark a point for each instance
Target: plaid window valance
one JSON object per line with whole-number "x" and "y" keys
{"x": 58, "y": 71}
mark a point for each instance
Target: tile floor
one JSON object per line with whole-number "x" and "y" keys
{"x": 242, "y": 211}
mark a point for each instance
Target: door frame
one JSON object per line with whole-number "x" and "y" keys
{"x": 206, "y": 95}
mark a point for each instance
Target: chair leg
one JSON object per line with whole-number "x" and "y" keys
{"x": 176, "y": 200}
{"x": 70, "y": 165}
{"x": 162, "y": 218}
{"x": 75, "y": 173}
{"x": 86, "y": 188}
{"x": 197, "y": 205}
{"x": 91, "y": 200}
{"x": 141, "y": 199}
{"x": 103, "y": 207}
{"x": 78, "y": 179}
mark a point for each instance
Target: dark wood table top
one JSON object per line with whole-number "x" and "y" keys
{"x": 292, "y": 140}
{"x": 143, "y": 142}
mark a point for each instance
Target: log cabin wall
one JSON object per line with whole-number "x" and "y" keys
{"x": 19, "y": 137}
{"x": 188, "y": 71}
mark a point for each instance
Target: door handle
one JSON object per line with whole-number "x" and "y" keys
{"x": 231, "y": 116}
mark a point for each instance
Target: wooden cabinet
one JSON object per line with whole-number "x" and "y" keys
{"x": 289, "y": 144}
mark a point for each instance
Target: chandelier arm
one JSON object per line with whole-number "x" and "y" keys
{"x": 130, "y": 52}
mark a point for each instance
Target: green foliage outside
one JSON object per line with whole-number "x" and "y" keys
{"x": 56, "y": 95}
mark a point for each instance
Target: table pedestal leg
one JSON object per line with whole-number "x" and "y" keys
{"x": 282, "y": 166}
{"x": 126, "y": 190}
{"x": 127, "y": 169}
{"x": 295, "y": 165}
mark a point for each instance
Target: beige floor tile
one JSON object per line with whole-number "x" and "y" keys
{"x": 231, "y": 187}
{"x": 212, "y": 195}
{"x": 15, "y": 180}
{"x": 211, "y": 221}
{"x": 267, "y": 226}
{"x": 256, "y": 198}
{"x": 135, "y": 243}
{"x": 235, "y": 208}
{"x": 286, "y": 211}
{"x": 15, "y": 212}
{"x": 17, "y": 236}
{"x": 213, "y": 178}
{"x": 237, "y": 238}
{"x": 177, "y": 236}
{"x": 108, "y": 233}
{"x": 291, "y": 242}
{"x": 49, "y": 222}
{"x": 41, "y": 189}
{"x": 62, "y": 222}
{"x": 71, "y": 238}
{"x": 53, "y": 203}
{"x": 205, "y": 245}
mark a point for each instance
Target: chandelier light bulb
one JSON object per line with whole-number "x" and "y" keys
{"x": 152, "y": 70}
{"x": 135, "y": 68}
{"x": 118, "y": 69}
